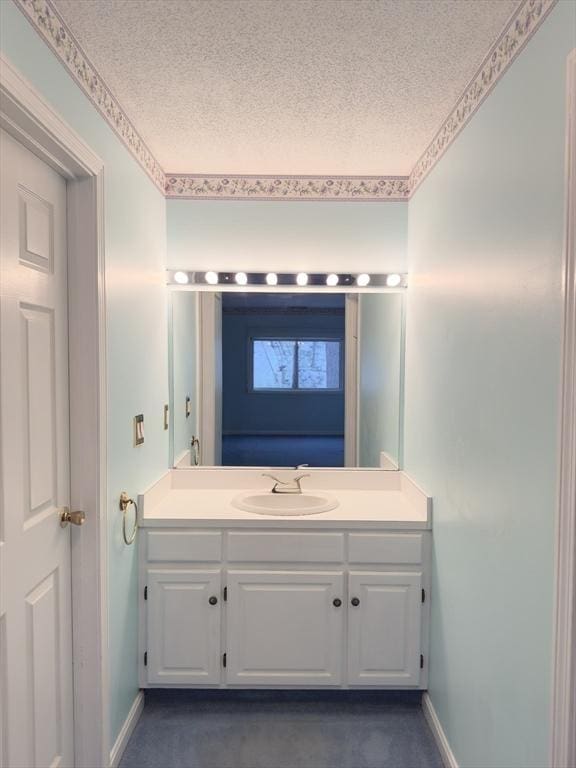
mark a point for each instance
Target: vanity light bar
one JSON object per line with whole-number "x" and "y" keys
{"x": 282, "y": 280}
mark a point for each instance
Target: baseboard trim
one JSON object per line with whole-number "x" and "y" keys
{"x": 438, "y": 732}
{"x": 126, "y": 731}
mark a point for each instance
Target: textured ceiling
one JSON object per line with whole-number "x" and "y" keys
{"x": 352, "y": 87}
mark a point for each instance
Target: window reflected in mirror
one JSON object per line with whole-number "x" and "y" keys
{"x": 303, "y": 364}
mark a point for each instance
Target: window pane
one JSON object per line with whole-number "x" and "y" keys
{"x": 319, "y": 364}
{"x": 273, "y": 364}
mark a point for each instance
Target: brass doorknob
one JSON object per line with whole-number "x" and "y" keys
{"x": 76, "y": 518}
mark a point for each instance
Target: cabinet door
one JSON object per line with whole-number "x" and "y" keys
{"x": 284, "y": 629}
{"x": 384, "y": 628}
{"x": 184, "y": 626}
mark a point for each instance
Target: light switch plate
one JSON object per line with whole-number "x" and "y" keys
{"x": 139, "y": 429}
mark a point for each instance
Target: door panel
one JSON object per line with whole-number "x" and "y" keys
{"x": 283, "y": 629}
{"x": 36, "y": 219}
{"x": 384, "y": 628}
{"x": 35, "y": 593}
{"x": 183, "y": 627}
{"x": 43, "y": 662}
{"x": 37, "y": 335}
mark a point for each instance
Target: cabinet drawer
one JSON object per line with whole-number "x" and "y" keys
{"x": 267, "y": 547}
{"x": 169, "y": 546}
{"x": 393, "y": 548}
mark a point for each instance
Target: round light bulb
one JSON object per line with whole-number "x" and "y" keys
{"x": 272, "y": 278}
{"x": 241, "y": 278}
{"x": 302, "y": 278}
{"x": 362, "y": 280}
{"x": 393, "y": 281}
{"x": 211, "y": 278}
{"x": 181, "y": 278}
{"x": 332, "y": 279}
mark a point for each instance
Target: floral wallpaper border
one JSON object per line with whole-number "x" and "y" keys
{"x": 53, "y": 30}
{"x": 205, "y": 187}
{"x": 519, "y": 29}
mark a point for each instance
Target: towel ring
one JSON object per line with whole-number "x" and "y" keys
{"x": 125, "y": 502}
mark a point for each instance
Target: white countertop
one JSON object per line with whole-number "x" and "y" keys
{"x": 378, "y": 502}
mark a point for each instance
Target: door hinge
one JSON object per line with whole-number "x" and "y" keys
{"x": 145, "y": 658}
{"x": 146, "y": 592}
{"x": 423, "y": 595}
{"x": 225, "y": 594}
{"x": 224, "y": 660}
{"x": 421, "y": 661}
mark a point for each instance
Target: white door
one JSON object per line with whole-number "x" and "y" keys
{"x": 384, "y": 628}
{"x": 35, "y": 592}
{"x": 184, "y": 609}
{"x": 284, "y": 628}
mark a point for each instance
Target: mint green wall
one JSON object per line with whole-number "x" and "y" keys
{"x": 485, "y": 232}
{"x": 135, "y": 243}
{"x": 482, "y": 382}
{"x": 380, "y": 380}
{"x": 287, "y": 236}
{"x": 183, "y": 345}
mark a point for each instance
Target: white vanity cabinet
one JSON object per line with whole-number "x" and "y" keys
{"x": 284, "y": 608}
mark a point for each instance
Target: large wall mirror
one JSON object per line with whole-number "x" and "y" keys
{"x": 284, "y": 379}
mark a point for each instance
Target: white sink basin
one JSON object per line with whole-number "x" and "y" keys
{"x": 268, "y": 503}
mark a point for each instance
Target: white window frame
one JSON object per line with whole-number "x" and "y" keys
{"x": 295, "y": 337}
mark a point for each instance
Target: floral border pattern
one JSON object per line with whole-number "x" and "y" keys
{"x": 519, "y": 29}
{"x": 49, "y": 24}
{"x": 287, "y": 187}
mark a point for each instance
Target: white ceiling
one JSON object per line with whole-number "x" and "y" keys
{"x": 327, "y": 87}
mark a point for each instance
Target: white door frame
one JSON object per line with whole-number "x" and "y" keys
{"x": 563, "y": 713}
{"x": 29, "y": 118}
{"x": 351, "y": 374}
{"x": 209, "y": 380}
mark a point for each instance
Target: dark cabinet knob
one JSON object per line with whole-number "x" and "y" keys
{"x": 213, "y": 600}
{"x": 355, "y": 601}
{"x": 336, "y": 602}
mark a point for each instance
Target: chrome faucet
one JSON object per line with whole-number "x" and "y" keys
{"x": 286, "y": 486}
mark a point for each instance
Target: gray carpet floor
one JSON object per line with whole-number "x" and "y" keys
{"x": 282, "y": 450}
{"x": 281, "y": 729}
